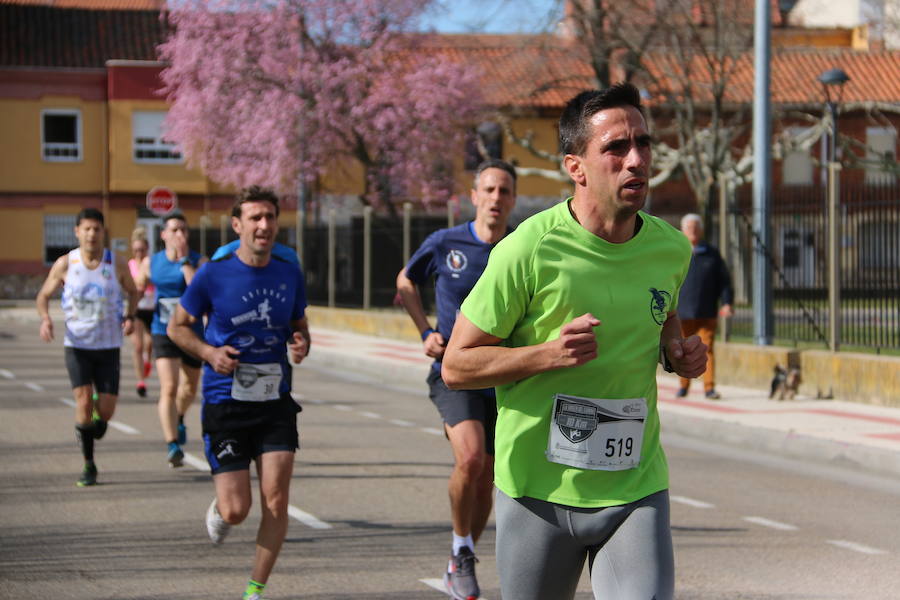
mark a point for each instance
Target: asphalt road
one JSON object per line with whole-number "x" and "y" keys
{"x": 370, "y": 508}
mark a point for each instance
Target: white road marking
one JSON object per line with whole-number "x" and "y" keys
{"x": 197, "y": 463}
{"x": 298, "y": 514}
{"x": 306, "y": 518}
{"x": 370, "y": 415}
{"x": 691, "y": 502}
{"x": 124, "y": 428}
{"x": 297, "y": 396}
{"x": 769, "y": 523}
{"x": 438, "y": 584}
{"x": 342, "y": 407}
{"x": 856, "y": 547}
{"x": 67, "y": 401}
{"x": 33, "y": 386}
{"x": 432, "y": 430}
{"x": 401, "y": 423}
{"x": 7, "y": 374}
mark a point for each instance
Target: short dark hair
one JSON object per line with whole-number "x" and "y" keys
{"x": 573, "y": 124}
{"x": 254, "y": 193}
{"x": 494, "y": 163}
{"x": 177, "y": 216}
{"x": 89, "y": 213}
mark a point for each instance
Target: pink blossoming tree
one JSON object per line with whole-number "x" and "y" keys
{"x": 282, "y": 91}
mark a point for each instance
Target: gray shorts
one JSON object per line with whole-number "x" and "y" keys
{"x": 457, "y": 406}
{"x": 541, "y": 549}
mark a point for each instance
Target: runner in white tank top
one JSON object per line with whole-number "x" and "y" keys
{"x": 92, "y": 303}
{"x": 94, "y": 280}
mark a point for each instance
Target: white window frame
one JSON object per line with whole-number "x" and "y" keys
{"x": 797, "y": 159}
{"x": 875, "y": 155}
{"x": 59, "y": 232}
{"x": 146, "y": 141}
{"x": 50, "y": 146}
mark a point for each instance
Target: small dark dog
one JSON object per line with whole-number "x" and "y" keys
{"x": 785, "y": 382}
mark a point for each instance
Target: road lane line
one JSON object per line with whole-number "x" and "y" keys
{"x": 432, "y": 431}
{"x": 401, "y": 423}
{"x": 438, "y": 584}
{"x": 298, "y": 514}
{"x": 342, "y": 407}
{"x": 124, "y": 428}
{"x": 856, "y": 547}
{"x": 691, "y": 502}
{"x": 370, "y": 415}
{"x": 67, "y": 401}
{"x": 33, "y": 386}
{"x": 306, "y": 518}
{"x": 7, "y": 374}
{"x": 198, "y": 463}
{"x": 770, "y": 523}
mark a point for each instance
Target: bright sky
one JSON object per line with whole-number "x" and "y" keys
{"x": 494, "y": 16}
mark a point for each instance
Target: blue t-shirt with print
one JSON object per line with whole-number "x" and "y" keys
{"x": 168, "y": 279}
{"x": 250, "y": 309}
{"x": 456, "y": 258}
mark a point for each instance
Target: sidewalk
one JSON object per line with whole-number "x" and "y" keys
{"x": 848, "y": 434}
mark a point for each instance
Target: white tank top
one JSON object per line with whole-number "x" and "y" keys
{"x": 92, "y": 304}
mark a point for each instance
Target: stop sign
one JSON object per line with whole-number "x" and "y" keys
{"x": 161, "y": 201}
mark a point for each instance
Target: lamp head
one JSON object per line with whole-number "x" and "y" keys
{"x": 833, "y": 77}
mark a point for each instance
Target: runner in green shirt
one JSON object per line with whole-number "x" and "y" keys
{"x": 569, "y": 320}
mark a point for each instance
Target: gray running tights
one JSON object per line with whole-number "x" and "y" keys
{"x": 541, "y": 549}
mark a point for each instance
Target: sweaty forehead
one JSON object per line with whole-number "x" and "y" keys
{"x": 616, "y": 123}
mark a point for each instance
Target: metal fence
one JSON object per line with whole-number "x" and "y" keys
{"x": 868, "y": 264}
{"x": 353, "y": 262}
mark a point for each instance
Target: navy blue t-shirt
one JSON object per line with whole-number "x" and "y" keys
{"x": 250, "y": 309}
{"x": 456, "y": 257}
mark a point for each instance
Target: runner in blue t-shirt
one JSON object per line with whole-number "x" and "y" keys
{"x": 255, "y": 307}
{"x": 456, "y": 257}
{"x": 170, "y": 270}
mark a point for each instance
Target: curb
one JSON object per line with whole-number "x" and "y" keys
{"x": 749, "y": 439}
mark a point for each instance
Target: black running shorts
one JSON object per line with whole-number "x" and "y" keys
{"x": 145, "y": 317}
{"x": 164, "y": 347}
{"x": 99, "y": 368}
{"x": 234, "y": 433}
{"x": 457, "y": 406}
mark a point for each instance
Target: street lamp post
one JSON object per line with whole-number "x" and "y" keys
{"x": 829, "y": 79}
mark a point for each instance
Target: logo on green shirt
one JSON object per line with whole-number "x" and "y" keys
{"x": 660, "y": 300}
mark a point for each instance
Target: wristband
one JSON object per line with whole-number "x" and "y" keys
{"x": 184, "y": 260}
{"x": 426, "y": 333}
{"x": 664, "y": 360}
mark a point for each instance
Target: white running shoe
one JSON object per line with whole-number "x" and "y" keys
{"x": 216, "y": 526}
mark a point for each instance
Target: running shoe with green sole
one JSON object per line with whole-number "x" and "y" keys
{"x": 88, "y": 476}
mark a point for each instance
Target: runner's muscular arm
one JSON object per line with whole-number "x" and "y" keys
{"x": 300, "y": 341}
{"x": 188, "y": 270}
{"x": 222, "y": 359}
{"x": 412, "y": 302}
{"x": 55, "y": 278}
{"x": 686, "y": 355}
{"x": 474, "y": 360}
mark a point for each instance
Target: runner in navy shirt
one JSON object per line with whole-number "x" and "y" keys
{"x": 255, "y": 304}
{"x": 456, "y": 258}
